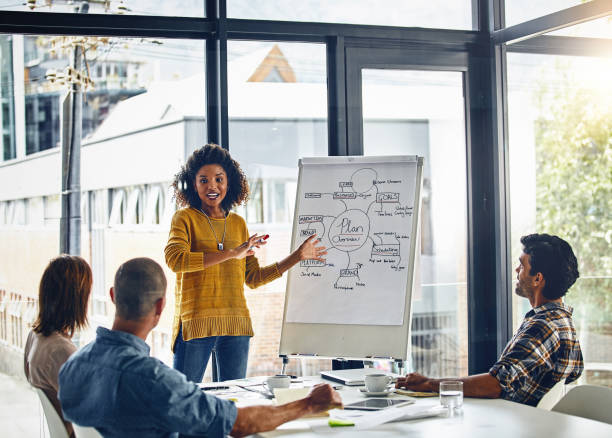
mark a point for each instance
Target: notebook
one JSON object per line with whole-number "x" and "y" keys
{"x": 354, "y": 377}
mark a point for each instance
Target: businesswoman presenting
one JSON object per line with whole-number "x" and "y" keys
{"x": 212, "y": 254}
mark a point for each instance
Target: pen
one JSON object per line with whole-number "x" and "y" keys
{"x": 266, "y": 394}
{"x": 259, "y": 241}
{"x": 212, "y": 388}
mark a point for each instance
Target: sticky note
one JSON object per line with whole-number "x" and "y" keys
{"x": 340, "y": 423}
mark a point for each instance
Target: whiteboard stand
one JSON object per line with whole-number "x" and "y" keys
{"x": 285, "y": 362}
{"x": 338, "y": 198}
{"x": 400, "y": 366}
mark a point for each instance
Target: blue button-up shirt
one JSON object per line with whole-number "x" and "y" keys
{"x": 114, "y": 385}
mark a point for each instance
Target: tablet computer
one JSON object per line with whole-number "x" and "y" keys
{"x": 376, "y": 404}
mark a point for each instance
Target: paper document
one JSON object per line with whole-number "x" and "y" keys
{"x": 368, "y": 420}
{"x": 288, "y": 395}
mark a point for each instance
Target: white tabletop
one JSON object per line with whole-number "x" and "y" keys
{"x": 480, "y": 418}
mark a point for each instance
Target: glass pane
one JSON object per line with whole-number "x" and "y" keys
{"x": 7, "y": 101}
{"x": 518, "y": 11}
{"x": 184, "y": 8}
{"x": 407, "y": 112}
{"x": 119, "y": 68}
{"x": 277, "y": 114}
{"x": 600, "y": 28}
{"x": 560, "y": 120}
{"x": 143, "y": 112}
{"x": 415, "y": 13}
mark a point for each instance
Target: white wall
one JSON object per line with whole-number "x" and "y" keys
{"x": 147, "y": 156}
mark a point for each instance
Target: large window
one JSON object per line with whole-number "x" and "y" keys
{"x": 7, "y": 103}
{"x": 118, "y": 69}
{"x": 185, "y": 8}
{"x": 560, "y": 120}
{"x": 601, "y": 28}
{"x": 421, "y": 13}
{"x": 143, "y": 112}
{"x": 277, "y": 114}
{"x": 296, "y": 87}
{"x": 412, "y": 112}
{"x": 518, "y": 11}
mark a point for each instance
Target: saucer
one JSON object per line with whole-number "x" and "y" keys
{"x": 376, "y": 394}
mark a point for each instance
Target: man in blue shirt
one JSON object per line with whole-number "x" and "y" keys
{"x": 114, "y": 385}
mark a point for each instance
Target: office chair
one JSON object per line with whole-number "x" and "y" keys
{"x": 552, "y": 397}
{"x": 587, "y": 401}
{"x": 54, "y": 421}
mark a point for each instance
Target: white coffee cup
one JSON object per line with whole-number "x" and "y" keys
{"x": 279, "y": 381}
{"x": 377, "y": 382}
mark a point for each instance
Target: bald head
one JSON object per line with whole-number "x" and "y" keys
{"x": 139, "y": 283}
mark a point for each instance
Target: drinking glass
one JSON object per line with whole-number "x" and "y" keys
{"x": 451, "y": 394}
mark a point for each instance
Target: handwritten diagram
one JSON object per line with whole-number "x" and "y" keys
{"x": 351, "y": 230}
{"x": 363, "y": 214}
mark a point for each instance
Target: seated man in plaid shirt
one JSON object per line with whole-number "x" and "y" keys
{"x": 544, "y": 350}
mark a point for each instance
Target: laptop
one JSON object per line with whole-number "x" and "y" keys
{"x": 353, "y": 377}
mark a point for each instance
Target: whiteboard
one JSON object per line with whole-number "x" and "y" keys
{"x": 357, "y": 303}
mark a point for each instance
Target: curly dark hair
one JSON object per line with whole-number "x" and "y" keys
{"x": 555, "y": 259}
{"x": 184, "y": 181}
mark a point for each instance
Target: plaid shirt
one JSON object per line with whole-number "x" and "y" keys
{"x": 543, "y": 351}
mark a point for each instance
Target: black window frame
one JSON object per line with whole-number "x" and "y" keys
{"x": 484, "y": 49}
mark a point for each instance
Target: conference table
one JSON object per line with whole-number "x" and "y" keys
{"x": 479, "y": 418}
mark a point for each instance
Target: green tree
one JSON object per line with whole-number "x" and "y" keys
{"x": 574, "y": 185}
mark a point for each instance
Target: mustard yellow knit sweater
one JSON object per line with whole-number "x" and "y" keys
{"x": 210, "y": 301}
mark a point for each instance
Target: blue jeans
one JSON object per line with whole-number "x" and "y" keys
{"x": 231, "y": 352}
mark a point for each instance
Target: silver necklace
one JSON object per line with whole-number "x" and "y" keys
{"x": 219, "y": 244}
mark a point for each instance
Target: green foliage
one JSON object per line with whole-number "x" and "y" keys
{"x": 574, "y": 186}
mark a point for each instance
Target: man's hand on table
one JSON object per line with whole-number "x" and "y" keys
{"x": 322, "y": 398}
{"x": 254, "y": 419}
{"x": 479, "y": 385}
{"x": 415, "y": 382}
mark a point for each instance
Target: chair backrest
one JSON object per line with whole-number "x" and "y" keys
{"x": 85, "y": 432}
{"x": 54, "y": 421}
{"x": 588, "y": 401}
{"x": 552, "y": 397}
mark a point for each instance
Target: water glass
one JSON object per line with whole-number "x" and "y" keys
{"x": 451, "y": 394}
